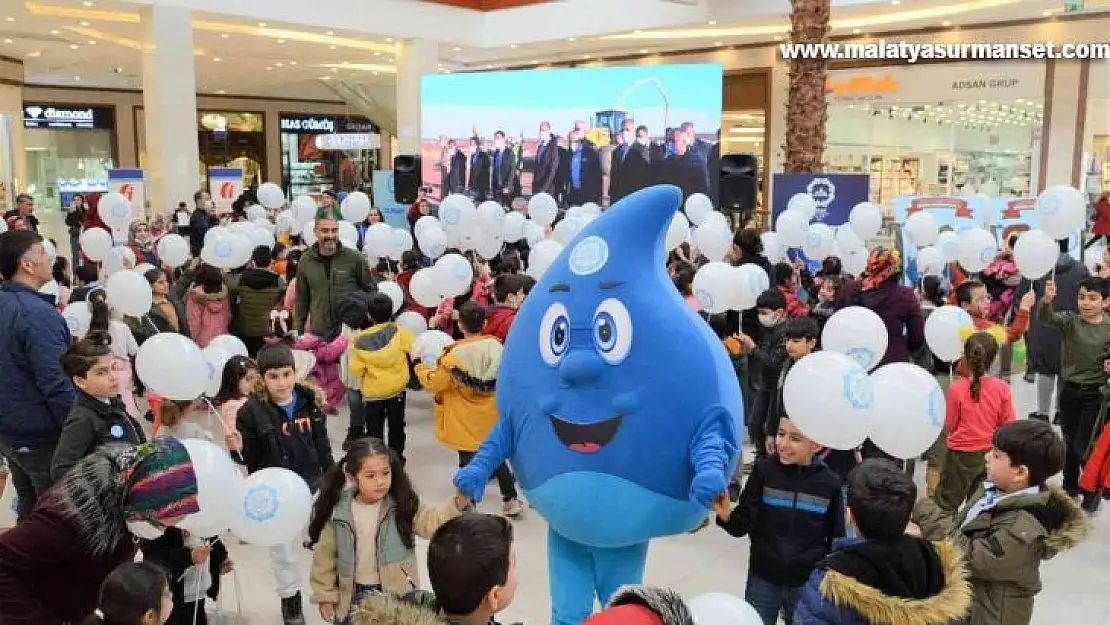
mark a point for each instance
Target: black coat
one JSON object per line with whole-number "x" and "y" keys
{"x": 792, "y": 514}
{"x": 478, "y": 175}
{"x": 590, "y": 177}
{"x": 171, "y": 554}
{"x": 502, "y": 175}
{"x": 456, "y": 176}
{"x": 547, "y": 168}
{"x": 688, "y": 172}
{"x": 92, "y": 423}
{"x": 300, "y": 444}
{"x": 629, "y": 171}
{"x": 1044, "y": 341}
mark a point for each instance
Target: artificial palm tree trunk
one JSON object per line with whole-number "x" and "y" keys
{"x": 807, "y": 106}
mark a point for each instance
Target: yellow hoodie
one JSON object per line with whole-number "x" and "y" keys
{"x": 380, "y": 361}
{"x": 464, "y": 384}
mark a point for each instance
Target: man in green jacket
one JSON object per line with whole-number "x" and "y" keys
{"x": 327, "y": 273}
{"x": 255, "y": 293}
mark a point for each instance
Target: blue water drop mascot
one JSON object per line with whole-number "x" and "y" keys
{"x": 619, "y": 409}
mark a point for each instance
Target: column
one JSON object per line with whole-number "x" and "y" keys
{"x": 169, "y": 107}
{"x": 1062, "y": 134}
{"x": 415, "y": 58}
{"x": 11, "y": 108}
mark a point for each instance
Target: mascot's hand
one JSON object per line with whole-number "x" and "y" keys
{"x": 706, "y": 486}
{"x": 471, "y": 482}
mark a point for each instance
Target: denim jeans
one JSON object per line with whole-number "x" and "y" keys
{"x": 30, "y": 470}
{"x": 769, "y": 599}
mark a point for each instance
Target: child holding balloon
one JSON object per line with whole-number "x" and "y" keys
{"x": 975, "y": 408}
{"x": 364, "y": 525}
{"x": 973, "y": 297}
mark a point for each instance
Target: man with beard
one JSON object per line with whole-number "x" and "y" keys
{"x": 327, "y": 273}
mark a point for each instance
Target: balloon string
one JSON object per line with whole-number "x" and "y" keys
{"x": 214, "y": 414}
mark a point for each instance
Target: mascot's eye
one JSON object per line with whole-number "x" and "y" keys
{"x": 554, "y": 334}
{"x": 612, "y": 331}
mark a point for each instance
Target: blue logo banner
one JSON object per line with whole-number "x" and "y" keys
{"x": 835, "y": 195}
{"x": 394, "y": 213}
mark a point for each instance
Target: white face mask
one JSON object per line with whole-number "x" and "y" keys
{"x": 769, "y": 321}
{"x": 145, "y": 530}
{"x": 627, "y": 136}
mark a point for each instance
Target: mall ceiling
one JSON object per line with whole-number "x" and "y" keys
{"x": 488, "y": 5}
{"x": 97, "y": 43}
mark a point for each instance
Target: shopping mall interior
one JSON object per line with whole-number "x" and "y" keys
{"x": 318, "y": 96}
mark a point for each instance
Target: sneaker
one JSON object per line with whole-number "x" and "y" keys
{"x": 1038, "y": 416}
{"x": 292, "y": 610}
{"x": 1056, "y": 418}
{"x": 512, "y": 508}
{"x": 1090, "y": 503}
{"x": 1029, "y": 378}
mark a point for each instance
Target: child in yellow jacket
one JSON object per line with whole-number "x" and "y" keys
{"x": 464, "y": 382}
{"x": 380, "y": 363}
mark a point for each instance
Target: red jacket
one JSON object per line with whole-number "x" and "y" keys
{"x": 498, "y": 322}
{"x": 1096, "y": 473}
{"x": 971, "y": 424}
{"x": 1102, "y": 217}
{"x": 794, "y": 308}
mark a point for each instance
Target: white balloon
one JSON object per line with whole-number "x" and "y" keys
{"x": 355, "y": 208}
{"x": 921, "y": 228}
{"x": 491, "y": 217}
{"x": 96, "y": 243}
{"x": 219, "y": 483}
{"x": 566, "y": 230}
{"x": 457, "y": 213}
{"x": 717, "y": 220}
{"x": 402, "y": 242}
{"x": 512, "y": 227}
{"x": 942, "y": 332}
{"x": 592, "y": 209}
{"x": 713, "y": 241}
{"x": 425, "y": 222}
{"x": 804, "y": 204}
{"x": 221, "y": 250}
{"x": 231, "y": 344}
{"x": 78, "y": 316}
{"x": 284, "y": 221}
{"x": 698, "y": 208}
{"x": 948, "y": 244}
{"x": 429, "y": 346}
{"x": 378, "y": 242}
{"x": 715, "y": 287}
{"x": 533, "y": 233}
{"x": 820, "y": 242}
{"x": 454, "y": 274}
{"x": 772, "y": 247}
{"x": 414, "y": 321}
{"x": 393, "y": 290}
{"x": 542, "y": 256}
{"x": 930, "y": 261}
{"x": 543, "y": 209}
{"x": 304, "y": 209}
{"x": 829, "y": 397}
{"x": 270, "y": 195}
{"x": 173, "y": 250}
{"x": 273, "y": 508}
{"x": 172, "y": 366}
{"x": 486, "y": 244}
{"x": 678, "y": 232}
{"x": 853, "y": 261}
{"x": 752, "y": 281}
{"x": 308, "y": 235}
{"x": 975, "y": 249}
{"x": 129, "y": 293}
{"x": 433, "y": 242}
{"x": 858, "y": 333}
{"x": 865, "y": 220}
{"x": 264, "y": 224}
{"x": 1035, "y": 254}
{"x": 119, "y": 259}
{"x": 982, "y": 205}
{"x": 348, "y": 234}
{"x": 425, "y": 288}
{"x": 261, "y": 237}
{"x": 718, "y": 608}
{"x": 257, "y": 212}
{"x": 792, "y": 228}
{"x": 217, "y": 358}
{"x": 115, "y": 210}
{"x": 909, "y": 409}
{"x": 1060, "y": 211}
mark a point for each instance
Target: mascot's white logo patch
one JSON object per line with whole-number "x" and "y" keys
{"x": 589, "y": 256}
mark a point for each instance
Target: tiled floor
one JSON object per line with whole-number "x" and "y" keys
{"x": 1074, "y": 583}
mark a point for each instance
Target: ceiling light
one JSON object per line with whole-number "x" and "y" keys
{"x": 7, "y": 41}
{"x": 12, "y": 19}
{"x": 458, "y": 49}
{"x": 489, "y": 67}
{"x": 946, "y": 23}
{"x": 87, "y": 3}
{"x": 331, "y": 47}
{"x": 292, "y": 62}
{"x": 92, "y": 42}
{"x": 72, "y": 46}
{"x": 637, "y": 31}
{"x": 896, "y": 2}
{"x": 77, "y": 78}
{"x": 82, "y": 23}
{"x": 778, "y": 37}
{"x": 334, "y": 70}
{"x": 374, "y": 73}
{"x": 1047, "y": 14}
{"x": 856, "y": 31}
{"x": 325, "y": 78}
{"x": 269, "y": 69}
{"x": 216, "y": 59}
{"x": 330, "y": 33}
{"x": 55, "y": 32}
{"x": 34, "y": 54}
{"x": 718, "y": 43}
{"x": 345, "y": 62}
{"x": 220, "y": 92}
{"x": 513, "y": 46}
{"x": 447, "y": 72}
{"x": 712, "y": 22}
{"x": 281, "y": 41}
{"x": 585, "y": 57}
{"x": 572, "y": 38}
{"x": 262, "y": 24}
{"x": 224, "y": 35}
{"x": 533, "y": 63}
{"x": 279, "y": 64}
{"x": 643, "y": 51}
{"x": 389, "y": 39}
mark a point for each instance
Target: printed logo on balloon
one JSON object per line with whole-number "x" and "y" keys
{"x": 261, "y": 503}
{"x": 936, "y": 408}
{"x": 862, "y": 355}
{"x": 858, "y": 389}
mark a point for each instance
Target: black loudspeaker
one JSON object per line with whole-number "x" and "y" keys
{"x": 406, "y": 178}
{"x": 739, "y": 183}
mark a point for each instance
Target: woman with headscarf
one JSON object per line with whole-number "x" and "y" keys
{"x": 880, "y": 290}
{"x": 52, "y": 564}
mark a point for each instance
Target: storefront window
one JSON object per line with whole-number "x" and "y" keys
{"x": 1096, "y": 135}
{"x": 328, "y": 153}
{"x": 69, "y": 149}
{"x": 224, "y": 139}
{"x": 953, "y": 129}
{"x": 7, "y": 169}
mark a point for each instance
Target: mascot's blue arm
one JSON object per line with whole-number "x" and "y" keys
{"x": 710, "y": 450}
{"x": 471, "y": 480}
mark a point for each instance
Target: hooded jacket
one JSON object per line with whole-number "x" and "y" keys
{"x": 380, "y": 360}
{"x": 209, "y": 314}
{"x": 299, "y": 444}
{"x": 256, "y": 293}
{"x": 92, "y": 423}
{"x": 323, "y": 282}
{"x": 464, "y": 383}
{"x": 643, "y": 605}
{"x": 1004, "y": 547}
{"x": 1043, "y": 341}
{"x": 498, "y": 322}
{"x": 907, "y": 581}
{"x": 415, "y": 608}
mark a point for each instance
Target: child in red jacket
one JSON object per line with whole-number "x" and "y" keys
{"x": 1096, "y": 473}
{"x": 508, "y": 293}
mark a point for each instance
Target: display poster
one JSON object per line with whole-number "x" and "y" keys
{"x": 835, "y": 195}
{"x": 394, "y": 213}
{"x": 131, "y": 184}
{"x": 225, "y": 184}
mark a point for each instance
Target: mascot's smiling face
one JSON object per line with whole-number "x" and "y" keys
{"x": 607, "y": 374}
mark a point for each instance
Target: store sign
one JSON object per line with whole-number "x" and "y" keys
{"x": 69, "y": 117}
{"x": 942, "y": 82}
{"x": 131, "y": 184}
{"x": 862, "y": 85}
{"x": 225, "y": 185}
{"x": 309, "y": 124}
{"x": 348, "y": 141}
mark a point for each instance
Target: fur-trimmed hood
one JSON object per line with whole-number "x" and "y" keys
{"x": 948, "y": 604}
{"x": 387, "y": 609}
{"x": 1065, "y": 521}
{"x": 668, "y": 604}
{"x": 92, "y": 495}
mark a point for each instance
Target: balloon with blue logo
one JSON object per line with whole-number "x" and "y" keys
{"x": 270, "y": 195}
{"x": 432, "y": 241}
{"x": 829, "y": 397}
{"x": 678, "y": 232}
{"x": 216, "y": 357}
{"x": 512, "y": 227}
{"x": 772, "y": 247}
{"x": 803, "y": 204}
{"x": 219, "y": 485}
{"x": 715, "y": 287}
{"x": 942, "y": 332}
{"x": 542, "y": 209}
{"x": 865, "y": 220}
{"x": 272, "y": 508}
{"x": 856, "y": 332}
{"x": 115, "y": 210}
{"x": 355, "y": 208}
{"x": 541, "y": 256}
{"x": 231, "y": 344}
{"x": 96, "y": 243}
{"x": 78, "y": 317}
{"x": 429, "y": 346}
{"x": 909, "y": 409}
{"x": 752, "y": 281}
{"x": 402, "y": 242}
{"x": 792, "y": 228}
{"x": 129, "y": 293}
{"x": 425, "y": 288}
{"x": 1060, "y": 210}
{"x": 921, "y": 228}
{"x": 975, "y": 249}
{"x": 454, "y": 274}
{"x": 304, "y": 209}
{"x": 491, "y": 217}
{"x": 948, "y": 244}
{"x": 1035, "y": 254}
{"x": 930, "y": 261}
{"x": 458, "y": 214}
{"x": 256, "y": 212}
{"x": 698, "y": 207}
{"x": 713, "y": 239}
{"x": 820, "y": 242}
{"x": 119, "y": 259}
